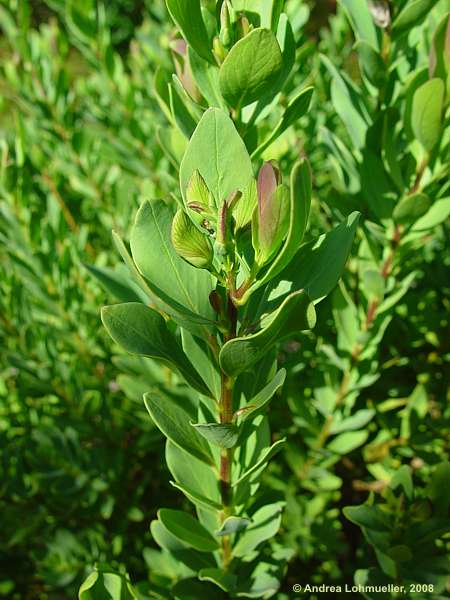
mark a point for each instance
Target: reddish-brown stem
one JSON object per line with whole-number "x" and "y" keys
{"x": 226, "y": 416}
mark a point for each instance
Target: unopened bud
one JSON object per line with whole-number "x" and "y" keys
{"x": 271, "y": 216}
{"x": 380, "y": 13}
{"x": 225, "y": 25}
{"x": 242, "y": 26}
{"x": 219, "y": 50}
{"x": 189, "y": 242}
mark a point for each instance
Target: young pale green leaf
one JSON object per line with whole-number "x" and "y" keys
{"x": 362, "y": 21}
{"x": 348, "y": 441}
{"x": 411, "y": 15}
{"x": 224, "y": 435}
{"x": 107, "y": 586}
{"x": 182, "y": 287}
{"x": 260, "y": 464}
{"x": 218, "y": 153}
{"x": 251, "y": 68}
{"x": 426, "y": 115}
{"x": 259, "y": 402}
{"x": 232, "y": 525}
{"x": 186, "y": 528}
{"x": 141, "y": 330}
{"x": 265, "y": 525}
{"x": 174, "y": 422}
{"x": 356, "y": 421}
{"x": 300, "y": 204}
{"x": 411, "y": 208}
{"x": 296, "y": 108}
{"x": 295, "y": 314}
{"x": 187, "y": 15}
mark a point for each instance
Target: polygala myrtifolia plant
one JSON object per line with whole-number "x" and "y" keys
{"x": 226, "y": 277}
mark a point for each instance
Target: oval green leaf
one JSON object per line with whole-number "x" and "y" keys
{"x": 251, "y": 68}
{"x": 186, "y": 528}
{"x": 141, "y": 330}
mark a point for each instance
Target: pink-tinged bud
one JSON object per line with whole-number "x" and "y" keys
{"x": 271, "y": 217}
{"x": 183, "y": 68}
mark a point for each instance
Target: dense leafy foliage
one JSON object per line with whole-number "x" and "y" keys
{"x": 277, "y": 186}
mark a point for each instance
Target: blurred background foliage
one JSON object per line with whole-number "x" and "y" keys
{"x": 85, "y": 136}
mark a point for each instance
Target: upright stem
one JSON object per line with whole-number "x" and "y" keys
{"x": 226, "y": 457}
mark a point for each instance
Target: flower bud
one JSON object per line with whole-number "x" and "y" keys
{"x": 271, "y": 216}
{"x": 183, "y": 69}
{"x": 225, "y": 25}
{"x": 189, "y": 242}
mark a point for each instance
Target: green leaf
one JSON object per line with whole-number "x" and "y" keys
{"x": 362, "y": 21}
{"x": 187, "y": 529}
{"x": 438, "y": 213}
{"x": 411, "y": 208}
{"x": 102, "y": 585}
{"x": 224, "y": 435}
{"x": 427, "y": 108}
{"x": 182, "y": 287}
{"x": 403, "y": 479}
{"x": 182, "y": 551}
{"x": 412, "y": 14}
{"x": 120, "y": 286}
{"x": 217, "y": 151}
{"x": 259, "y": 402}
{"x": 174, "y": 422}
{"x": 180, "y": 114}
{"x": 346, "y": 442}
{"x": 318, "y": 264}
{"x": 265, "y": 525}
{"x": 300, "y": 204}
{"x": 141, "y": 330}
{"x": 368, "y": 517}
{"x": 439, "y": 488}
{"x": 204, "y": 361}
{"x": 251, "y": 68}
{"x": 187, "y": 15}
{"x": 232, "y": 525}
{"x": 192, "y": 473}
{"x": 262, "y": 461}
{"x": 296, "y": 108}
{"x": 225, "y": 581}
{"x": 348, "y": 103}
{"x": 196, "y": 498}
{"x": 346, "y": 318}
{"x": 295, "y": 314}
{"x": 356, "y": 421}
{"x": 206, "y": 77}
{"x": 372, "y": 63}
